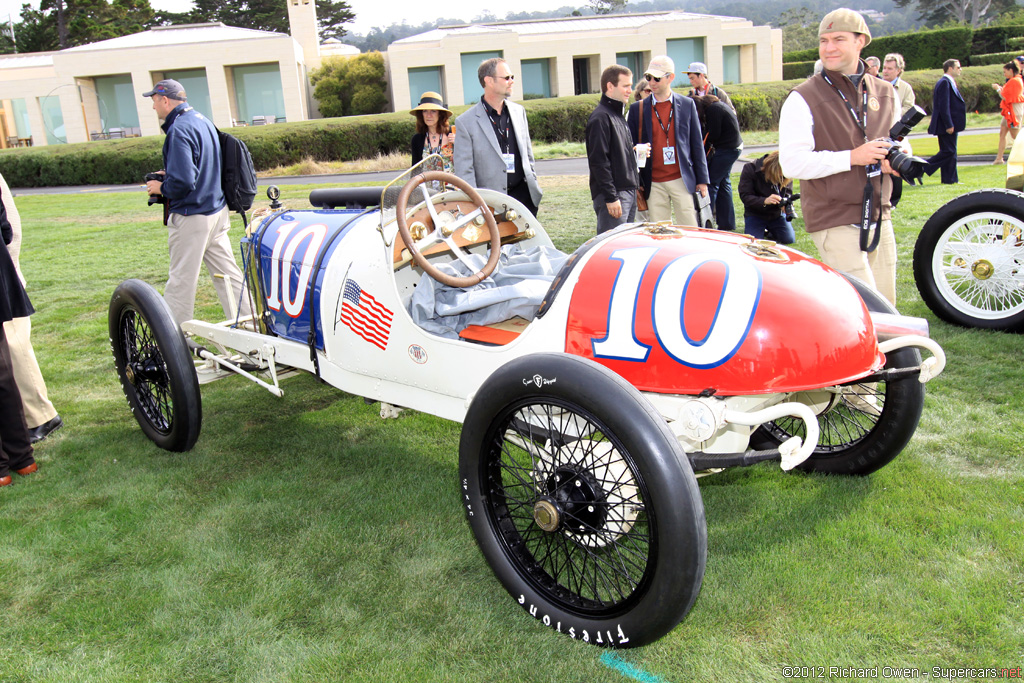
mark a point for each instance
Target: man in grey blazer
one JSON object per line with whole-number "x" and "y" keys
{"x": 492, "y": 140}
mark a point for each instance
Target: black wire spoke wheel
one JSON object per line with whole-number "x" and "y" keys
{"x": 582, "y": 501}
{"x": 863, "y": 426}
{"x": 154, "y": 365}
{"x": 570, "y": 512}
{"x": 146, "y": 370}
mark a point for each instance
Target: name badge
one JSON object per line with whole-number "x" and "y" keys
{"x": 668, "y": 156}
{"x": 510, "y": 162}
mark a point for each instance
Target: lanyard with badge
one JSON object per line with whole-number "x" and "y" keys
{"x": 503, "y": 141}
{"x": 873, "y": 170}
{"x": 668, "y": 153}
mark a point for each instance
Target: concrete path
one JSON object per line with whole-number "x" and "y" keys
{"x": 545, "y": 167}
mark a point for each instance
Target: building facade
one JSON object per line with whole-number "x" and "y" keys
{"x": 558, "y": 57}
{"x": 232, "y": 75}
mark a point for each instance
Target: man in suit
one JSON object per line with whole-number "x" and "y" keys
{"x": 949, "y": 117}
{"x": 492, "y": 146}
{"x": 677, "y": 167}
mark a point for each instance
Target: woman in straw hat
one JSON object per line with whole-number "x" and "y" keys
{"x": 433, "y": 134}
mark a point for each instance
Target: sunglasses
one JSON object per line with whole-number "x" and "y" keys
{"x": 652, "y": 79}
{"x": 510, "y": 77}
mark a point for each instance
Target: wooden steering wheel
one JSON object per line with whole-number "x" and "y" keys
{"x": 446, "y": 233}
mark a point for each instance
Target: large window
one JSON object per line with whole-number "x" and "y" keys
{"x": 536, "y": 78}
{"x": 21, "y": 124}
{"x": 683, "y": 51}
{"x": 117, "y": 101}
{"x": 471, "y": 88}
{"x": 196, "y": 89}
{"x": 731, "y": 64}
{"x": 424, "y": 79}
{"x": 53, "y": 120}
{"x": 258, "y": 91}
{"x": 634, "y": 61}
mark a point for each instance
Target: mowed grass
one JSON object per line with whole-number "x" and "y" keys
{"x": 306, "y": 539}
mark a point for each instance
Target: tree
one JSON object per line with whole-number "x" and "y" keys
{"x": 607, "y": 6}
{"x": 271, "y": 15}
{"x": 59, "y": 24}
{"x": 799, "y": 29}
{"x": 348, "y": 86}
{"x": 971, "y": 12}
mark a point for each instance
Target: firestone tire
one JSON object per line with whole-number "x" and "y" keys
{"x": 969, "y": 261}
{"x": 864, "y": 426}
{"x": 154, "y": 365}
{"x": 582, "y": 501}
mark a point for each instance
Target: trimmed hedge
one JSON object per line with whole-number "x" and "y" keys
{"x": 791, "y": 70}
{"x": 995, "y": 58}
{"x": 344, "y": 139}
{"x": 920, "y": 50}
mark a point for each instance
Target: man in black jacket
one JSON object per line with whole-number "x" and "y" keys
{"x": 613, "y": 176}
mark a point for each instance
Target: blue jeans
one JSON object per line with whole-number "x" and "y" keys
{"x": 778, "y": 229}
{"x": 605, "y": 222}
{"x": 720, "y": 187}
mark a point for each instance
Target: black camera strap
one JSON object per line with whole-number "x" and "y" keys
{"x": 867, "y": 206}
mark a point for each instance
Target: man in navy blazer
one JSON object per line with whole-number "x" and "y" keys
{"x": 492, "y": 141}
{"x": 949, "y": 117}
{"x": 676, "y": 167}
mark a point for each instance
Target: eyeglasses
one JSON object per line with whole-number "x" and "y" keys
{"x": 510, "y": 77}
{"x": 652, "y": 79}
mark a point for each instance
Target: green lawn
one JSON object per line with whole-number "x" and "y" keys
{"x": 306, "y": 539}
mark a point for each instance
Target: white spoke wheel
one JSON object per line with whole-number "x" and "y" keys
{"x": 969, "y": 261}
{"x": 582, "y": 501}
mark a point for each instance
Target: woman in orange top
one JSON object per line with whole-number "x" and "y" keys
{"x": 1011, "y": 106}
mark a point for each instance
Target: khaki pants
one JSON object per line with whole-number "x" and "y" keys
{"x": 193, "y": 241}
{"x": 839, "y": 248}
{"x": 38, "y": 409}
{"x": 668, "y": 196}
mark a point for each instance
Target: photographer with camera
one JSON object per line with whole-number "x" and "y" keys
{"x": 767, "y": 197}
{"x": 831, "y": 132}
{"x": 196, "y": 213}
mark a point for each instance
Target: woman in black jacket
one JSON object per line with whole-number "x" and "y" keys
{"x": 723, "y": 146}
{"x": 433, "y": 134}
{"x": 15, "y": 448}
{"x": 763, "y": 190}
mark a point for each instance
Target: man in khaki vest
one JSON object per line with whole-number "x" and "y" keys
{"x": 829, "y": 132}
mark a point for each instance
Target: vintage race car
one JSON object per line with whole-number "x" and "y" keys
{"x": 651, "y": 352}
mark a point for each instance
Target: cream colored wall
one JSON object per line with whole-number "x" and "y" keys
{"x": 765, "y": 64}
{"x": 146, "y": 66}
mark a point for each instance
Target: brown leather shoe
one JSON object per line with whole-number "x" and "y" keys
{"x": 34, "y": 467}
{"x": 5, "y": 481}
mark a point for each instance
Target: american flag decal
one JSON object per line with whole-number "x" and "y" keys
{"x": 364, "y": 315}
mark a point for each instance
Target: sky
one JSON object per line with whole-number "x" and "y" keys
{"x": 369, "y": 13}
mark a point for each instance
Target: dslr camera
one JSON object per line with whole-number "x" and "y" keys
{"x": 788, "y": 197}
{"x": 909, "y": 167}
{"x": 155, "y": 198}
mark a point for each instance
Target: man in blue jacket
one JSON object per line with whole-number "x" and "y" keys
{"x": 677, "y": 167}
{"x": 197, "y": 228}
{"x": 949, "y": 117}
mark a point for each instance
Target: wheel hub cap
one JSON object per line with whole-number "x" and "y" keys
{"x": 129, "y": 373}
{"x": 546, "y": 515}
{"x": 982, "y": 269}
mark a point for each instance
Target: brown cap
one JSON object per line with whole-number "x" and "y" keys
{"x": 843, "y": 19}
{"x": 661, "y": 66}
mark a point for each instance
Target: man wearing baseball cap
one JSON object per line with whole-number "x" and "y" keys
{"x": 677, "y": 167}
{"x": 198, "y": 222}
{"x": 698, "y": 75}
{"x": 829, "y": 132}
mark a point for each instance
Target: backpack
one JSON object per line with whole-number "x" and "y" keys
{"x": 237, "y": 173}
